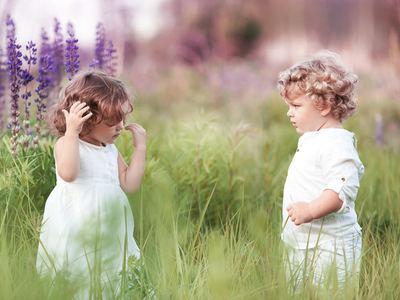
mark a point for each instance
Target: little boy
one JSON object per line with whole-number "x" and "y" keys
{"x": 320, "y": 228}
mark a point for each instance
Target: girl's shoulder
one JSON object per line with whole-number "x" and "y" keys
{"x": 113, "y": 150}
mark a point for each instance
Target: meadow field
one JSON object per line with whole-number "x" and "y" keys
{"x": 208, "y": 213}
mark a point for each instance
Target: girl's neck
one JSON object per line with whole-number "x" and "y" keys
{"x": 92, "y": 141}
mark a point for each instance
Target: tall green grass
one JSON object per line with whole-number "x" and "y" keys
{"x": 208, "y": 213}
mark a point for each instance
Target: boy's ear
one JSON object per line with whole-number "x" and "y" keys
{"x": 326, "y": 111}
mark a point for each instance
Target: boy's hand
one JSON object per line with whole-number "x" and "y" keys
{"x": 299, "y": 213}
{"x": 139, "y": 134}
{"x": 74, "y": 118}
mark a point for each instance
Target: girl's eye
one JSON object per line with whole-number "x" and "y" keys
{"x": 295, "y": 106}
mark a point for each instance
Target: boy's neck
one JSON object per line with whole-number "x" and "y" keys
{"x": 331, "y": 122}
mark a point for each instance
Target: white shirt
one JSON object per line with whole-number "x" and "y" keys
{"x": 324, "y": 159}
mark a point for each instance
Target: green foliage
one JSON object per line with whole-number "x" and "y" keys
{"x": 27, "y": 180}
{"x": 208, "y": 213}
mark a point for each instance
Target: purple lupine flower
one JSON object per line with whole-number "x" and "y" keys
{"x": 94, "y": 63}
{"x": 26, "y": 78}
{"x": 72, "y": 62}
{"x": 58, "y": 57}
{"x": 45, "y": 47}
{"x": 379, "y": 132}
{"x": 2, "y": 89}
{"x": 111, "y": 59}
{"x": 14, "y": 66}
{"x": 10, "y": 28}
{"x": 99, "y": 52}
{"x": 10, "y": 34}
{"x": 45, "y": 67}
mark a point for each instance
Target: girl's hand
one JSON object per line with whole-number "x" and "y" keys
{"x": 299, "y": 212}
{"x": 139, "y": 134}
{"x": 74, "y": 118}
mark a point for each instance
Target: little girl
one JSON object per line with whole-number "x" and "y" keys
{"x": 321, "y": 233}
{"x": 87, "y": 232}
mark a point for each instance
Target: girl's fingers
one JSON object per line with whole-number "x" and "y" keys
{"x": 83, "y": 110}
{"x": 134, "y": 125}
{"x": 72, "y": 109}
{"x": 129, "y": 127}
{"x": 87, "y": 116}
{"x": 80, "y": 106}
{"x": 77, "y": 106}
{"x": 136, "y": 128}
{"x": 65, "y": 113}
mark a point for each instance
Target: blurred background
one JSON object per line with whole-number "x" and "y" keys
{"x": 157, "y": 34}
{"x": 208, "y": 213}
{"x": 234, "y": 49}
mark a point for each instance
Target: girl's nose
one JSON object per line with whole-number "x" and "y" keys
{"x": 120, "y": 125}
{"x": 289, "y": 113}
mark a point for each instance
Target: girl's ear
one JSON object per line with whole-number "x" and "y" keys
{"x": 326, "y": 111}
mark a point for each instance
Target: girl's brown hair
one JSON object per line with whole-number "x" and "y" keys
{"x": 104, "y": 94}
{"x": 325, "y": 80}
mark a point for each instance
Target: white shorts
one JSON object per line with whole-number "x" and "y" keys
{"x": 325, "y": 263}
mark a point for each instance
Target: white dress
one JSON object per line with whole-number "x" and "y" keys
{"x": 87, "y": 224}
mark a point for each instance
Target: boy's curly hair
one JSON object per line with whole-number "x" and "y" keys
{"x": 325, "y": 80}
{"x": 104, "y": 94}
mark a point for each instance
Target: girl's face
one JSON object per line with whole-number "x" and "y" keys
{"x": 102, "y": 133}
{"x": 304, "y": 116}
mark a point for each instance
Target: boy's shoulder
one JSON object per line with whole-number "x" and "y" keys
{"x": 331, "y": 138}
{"x": 336, "y": 134}
{"x": 337, "y": 142}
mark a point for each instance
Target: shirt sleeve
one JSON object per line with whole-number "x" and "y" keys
{"x": 342, "y": 170}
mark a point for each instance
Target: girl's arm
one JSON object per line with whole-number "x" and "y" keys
{"x": 67, "y": 149}
{"x": 131, "y": 176}
{"x": 303, "y": 212}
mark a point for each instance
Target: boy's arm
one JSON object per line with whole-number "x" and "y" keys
{"x": 303, "y": 212}
{"x": 131, "y": 176}
{"x": 67, "y": 148}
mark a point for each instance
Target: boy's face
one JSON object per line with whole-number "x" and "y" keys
{"x": 304, "y": 116}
